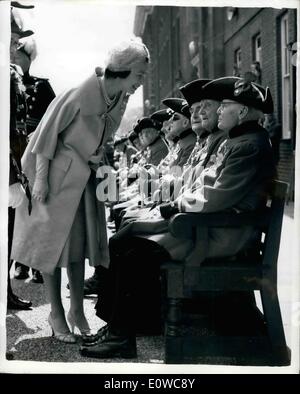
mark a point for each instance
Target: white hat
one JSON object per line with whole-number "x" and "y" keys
{"x": 124, "y": 55}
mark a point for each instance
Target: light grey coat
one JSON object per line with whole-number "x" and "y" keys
{"x": 76, "y": 123}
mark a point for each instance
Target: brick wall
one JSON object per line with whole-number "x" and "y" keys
{"x": 217, "y": 39}
{"x": 286, "y": 167}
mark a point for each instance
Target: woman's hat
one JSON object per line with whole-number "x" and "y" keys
{"x": 127, "y": 53}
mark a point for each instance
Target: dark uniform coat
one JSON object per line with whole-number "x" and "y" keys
{"x": 156, "y": 151}
{"x": 39, "y": 96}
{"x": 186, "y": 145}
{"x": 18, "y": 110}
{"x": 238, "y": 179}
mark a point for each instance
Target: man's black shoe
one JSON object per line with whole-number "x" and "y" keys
{"x": 14, "y": 302}
{"x": 111, "y": 347}
{"x": 9, "y": 356}
{"x": 150, "y": 332}
{"x": 93, "y": 340}
{"x": 91, "y": 286}
{"x": 21, "y": 272}
{"x": 37, "y": 277}
{"x": 103, "y": 333}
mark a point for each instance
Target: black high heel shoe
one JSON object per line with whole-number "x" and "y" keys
{"x": 15, "y": 302}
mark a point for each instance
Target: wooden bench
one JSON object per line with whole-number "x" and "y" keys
{"x": 243, "y": 274}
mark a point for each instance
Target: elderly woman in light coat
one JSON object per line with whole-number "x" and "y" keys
{"x": 67, "y": 223}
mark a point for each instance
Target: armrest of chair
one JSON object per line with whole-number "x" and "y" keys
{"x": 183, "y": 225}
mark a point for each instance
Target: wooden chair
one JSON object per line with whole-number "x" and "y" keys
{"x": 243, "y": 273}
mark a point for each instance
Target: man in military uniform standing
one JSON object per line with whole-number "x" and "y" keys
{"x": 39, "y": 91}
{"x": 18, "y": 135}
{"x": 39, "y": 95}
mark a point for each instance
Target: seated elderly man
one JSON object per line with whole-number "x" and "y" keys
{"x": 133, "y": 138}
{"x": 150, "y": 138}
{"x": 123, "y": 152}
{"x": 181, "y": 133}
{"x": 137, "y": 158}
{"x": 180, "y": 130}
{"x": 203, "y": 106}
{"x": 193, "y": 94}
{"x": 134, "y": 185}
{"x": 163, "y": 116}
{"x": 238, "y": 180}
{"x": 154, "y": 150}
{"x": 171, "y": 167}
{"x": 176, "y": 122}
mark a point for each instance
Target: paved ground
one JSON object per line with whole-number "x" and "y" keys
{"x": 287, "y": 264}
{"x": 28, "y": 333}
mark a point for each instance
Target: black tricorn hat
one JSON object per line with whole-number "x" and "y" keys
{"x": 15, "y": 29}
{"x": 119, "y": 141}
{"x": 162, "y": 115}
{"x": 192, "y": 91}
{"x": 178, "y": 105}
{"x": 132, "y": 136}
{"x": 242, "y": 91}
{"x": 146, "y": 123}
{"x": 16, "y": 4}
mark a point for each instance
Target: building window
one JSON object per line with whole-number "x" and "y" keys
{"x": 256, "y": 48}
{"x": 178, "y": 41}
{"x": 237, "y": 66}
{"x": 286, "y": 92}
{"x": 176, "y": 53}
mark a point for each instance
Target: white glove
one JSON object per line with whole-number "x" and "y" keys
{"x": 16, "y": 195}
{"x": 40, "y": 189}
